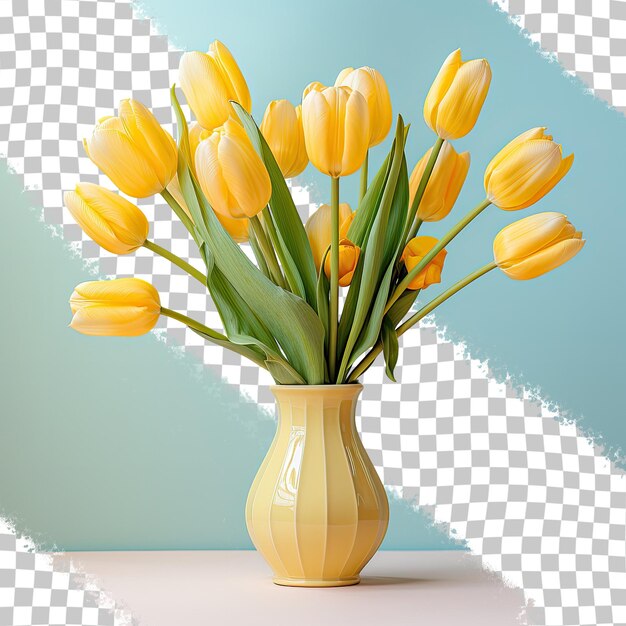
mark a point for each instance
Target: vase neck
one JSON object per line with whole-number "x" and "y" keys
{"x": 300, "y": 405}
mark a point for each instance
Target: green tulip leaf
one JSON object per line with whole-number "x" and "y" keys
{"x": 390, "y": 347}
{"x": 292, "y": 236}
{"x": 373, "y": 253}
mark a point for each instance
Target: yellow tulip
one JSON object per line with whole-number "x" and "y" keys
{"x": 414, "y": 252}
{"x": 124, "y": 307}
{"x": 236, "y": 228}
{"x": 196, "y": 135}
{"x": 177, "y": 192}
{"x": 444, "y": 185}
{"x": 348, "y": 259}
{"x": 209, "y": 81}
{"x": 282, "y": 129}
{"x": 109, "y": 219}
{"x": 456, "y": 96}
{"x": 345, "y": 225}
{"x": 371, "y": 85}
{"x": 525, "y": 170}
{"x": 319, "y": 229}
{"x": 133, "y": 150}
{"x": 314, "y": 86}
{"x": 536, "y": 245}
{"x": 336, "y": 130}
{"x": 231, "y": 173}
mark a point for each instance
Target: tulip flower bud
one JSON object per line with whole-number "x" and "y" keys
{"x": 371, "y": 85}
{"x": 319, "y": 229}
{"x": 348, "y": 259}
{"x": 210, "y": 81}
{"x": 196, "y": 135}
{"x": 536, "y": 245}
{"x": 525, "y": 170}
{"x": 414, "y": 252}
{"x": 133, "y": 150}
{"x": 231, "y": 173}
{"x": 123, "y": 307}
{"x": 314, "y": 86}
{"x": 109, "y": 219}
{"x": 336, "y": 130}
{"x": 345, "y": 225}
{"x": 456, "y": 96}
{"x": 282, "y": 129}
{"x": 236, "y": 228}
{"x": 444, "y": 185}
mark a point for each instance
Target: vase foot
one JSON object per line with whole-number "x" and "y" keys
{"x": 317, "y": 582}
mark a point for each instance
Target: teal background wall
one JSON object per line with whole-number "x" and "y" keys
{"x": 109, "y": 443}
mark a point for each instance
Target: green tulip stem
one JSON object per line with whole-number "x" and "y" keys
{"x": 214, "y": 336}
{"x": 364, "y": 167}
{"x": 194, "y": 324}
{"x": 180, "y": 212}
{"x": 258, "y": 254}
{"x": 416, "y": 227}
{"x": 268, "y": 252}
{"x": 334, "y": 278}
{"x": 409, "y": 232}
{"x": 422, "y": 313}
{"x": 448, "y": 237}
{"x": 176, "y": 260}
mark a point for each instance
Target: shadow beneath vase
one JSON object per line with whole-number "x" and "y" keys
{"x": 383, "y": 581}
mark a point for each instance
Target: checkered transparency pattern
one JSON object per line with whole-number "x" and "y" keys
{"x": 588, "y": 37}
{"x": 39, "y": 589}
{"x": 529, "y": 493}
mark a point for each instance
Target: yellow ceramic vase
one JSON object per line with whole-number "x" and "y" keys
{"x": 317, "y": 510}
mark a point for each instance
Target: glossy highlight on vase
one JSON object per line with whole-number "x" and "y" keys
{"x": 317, "y": 510}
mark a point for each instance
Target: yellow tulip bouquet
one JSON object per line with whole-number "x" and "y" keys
{"x": 225, "y": 180}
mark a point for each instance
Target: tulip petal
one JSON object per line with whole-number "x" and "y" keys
{"x": 459, "y": 109}
{"x": 371, "y": 85}
{"x": 116, "y": 155}
{"x": 211, "y": 179}
{"x": 440, "y": 86}
{"x": 545, "y": 260}
{"x": 244, "y": 172}
{"x": 319, "y": 231}
{"x": 317, "y": 122}
{"x": 236, "y": 228}
{"x": 282, "y": 129}
{"x": 455, "y": 184}
{"x": 231, "y": 74}
{"x": 150, "y": 139}
{"x": 355, "y": 134}
{"x": 109, "y": 219}
{"x": 533, "y": 133}
{"x": 118, "y": 321}
{"x": 524, "y": 173}
{"x": 204, "y": 88}
{"x": 526, "y": 236}
{"x": 131, "y": 291}
{"x": 564, "y": 167}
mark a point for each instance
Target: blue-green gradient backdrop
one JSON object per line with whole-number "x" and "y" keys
{"x": 110, "y": 443}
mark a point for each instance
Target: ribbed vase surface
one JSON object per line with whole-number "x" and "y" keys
{"x": 317, "y": 510}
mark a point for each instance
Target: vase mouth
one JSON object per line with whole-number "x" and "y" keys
{"x": 346, "y": 389}
{"x": 328, "y": 386}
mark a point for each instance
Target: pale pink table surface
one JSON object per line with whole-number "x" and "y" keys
{"x": 193, "y": 588}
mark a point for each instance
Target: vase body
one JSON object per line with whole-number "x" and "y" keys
{"x": 317, "y": 510}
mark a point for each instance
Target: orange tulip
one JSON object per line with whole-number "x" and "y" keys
{"x": 414, "y": 252}
{"x": 348, "y": 259}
